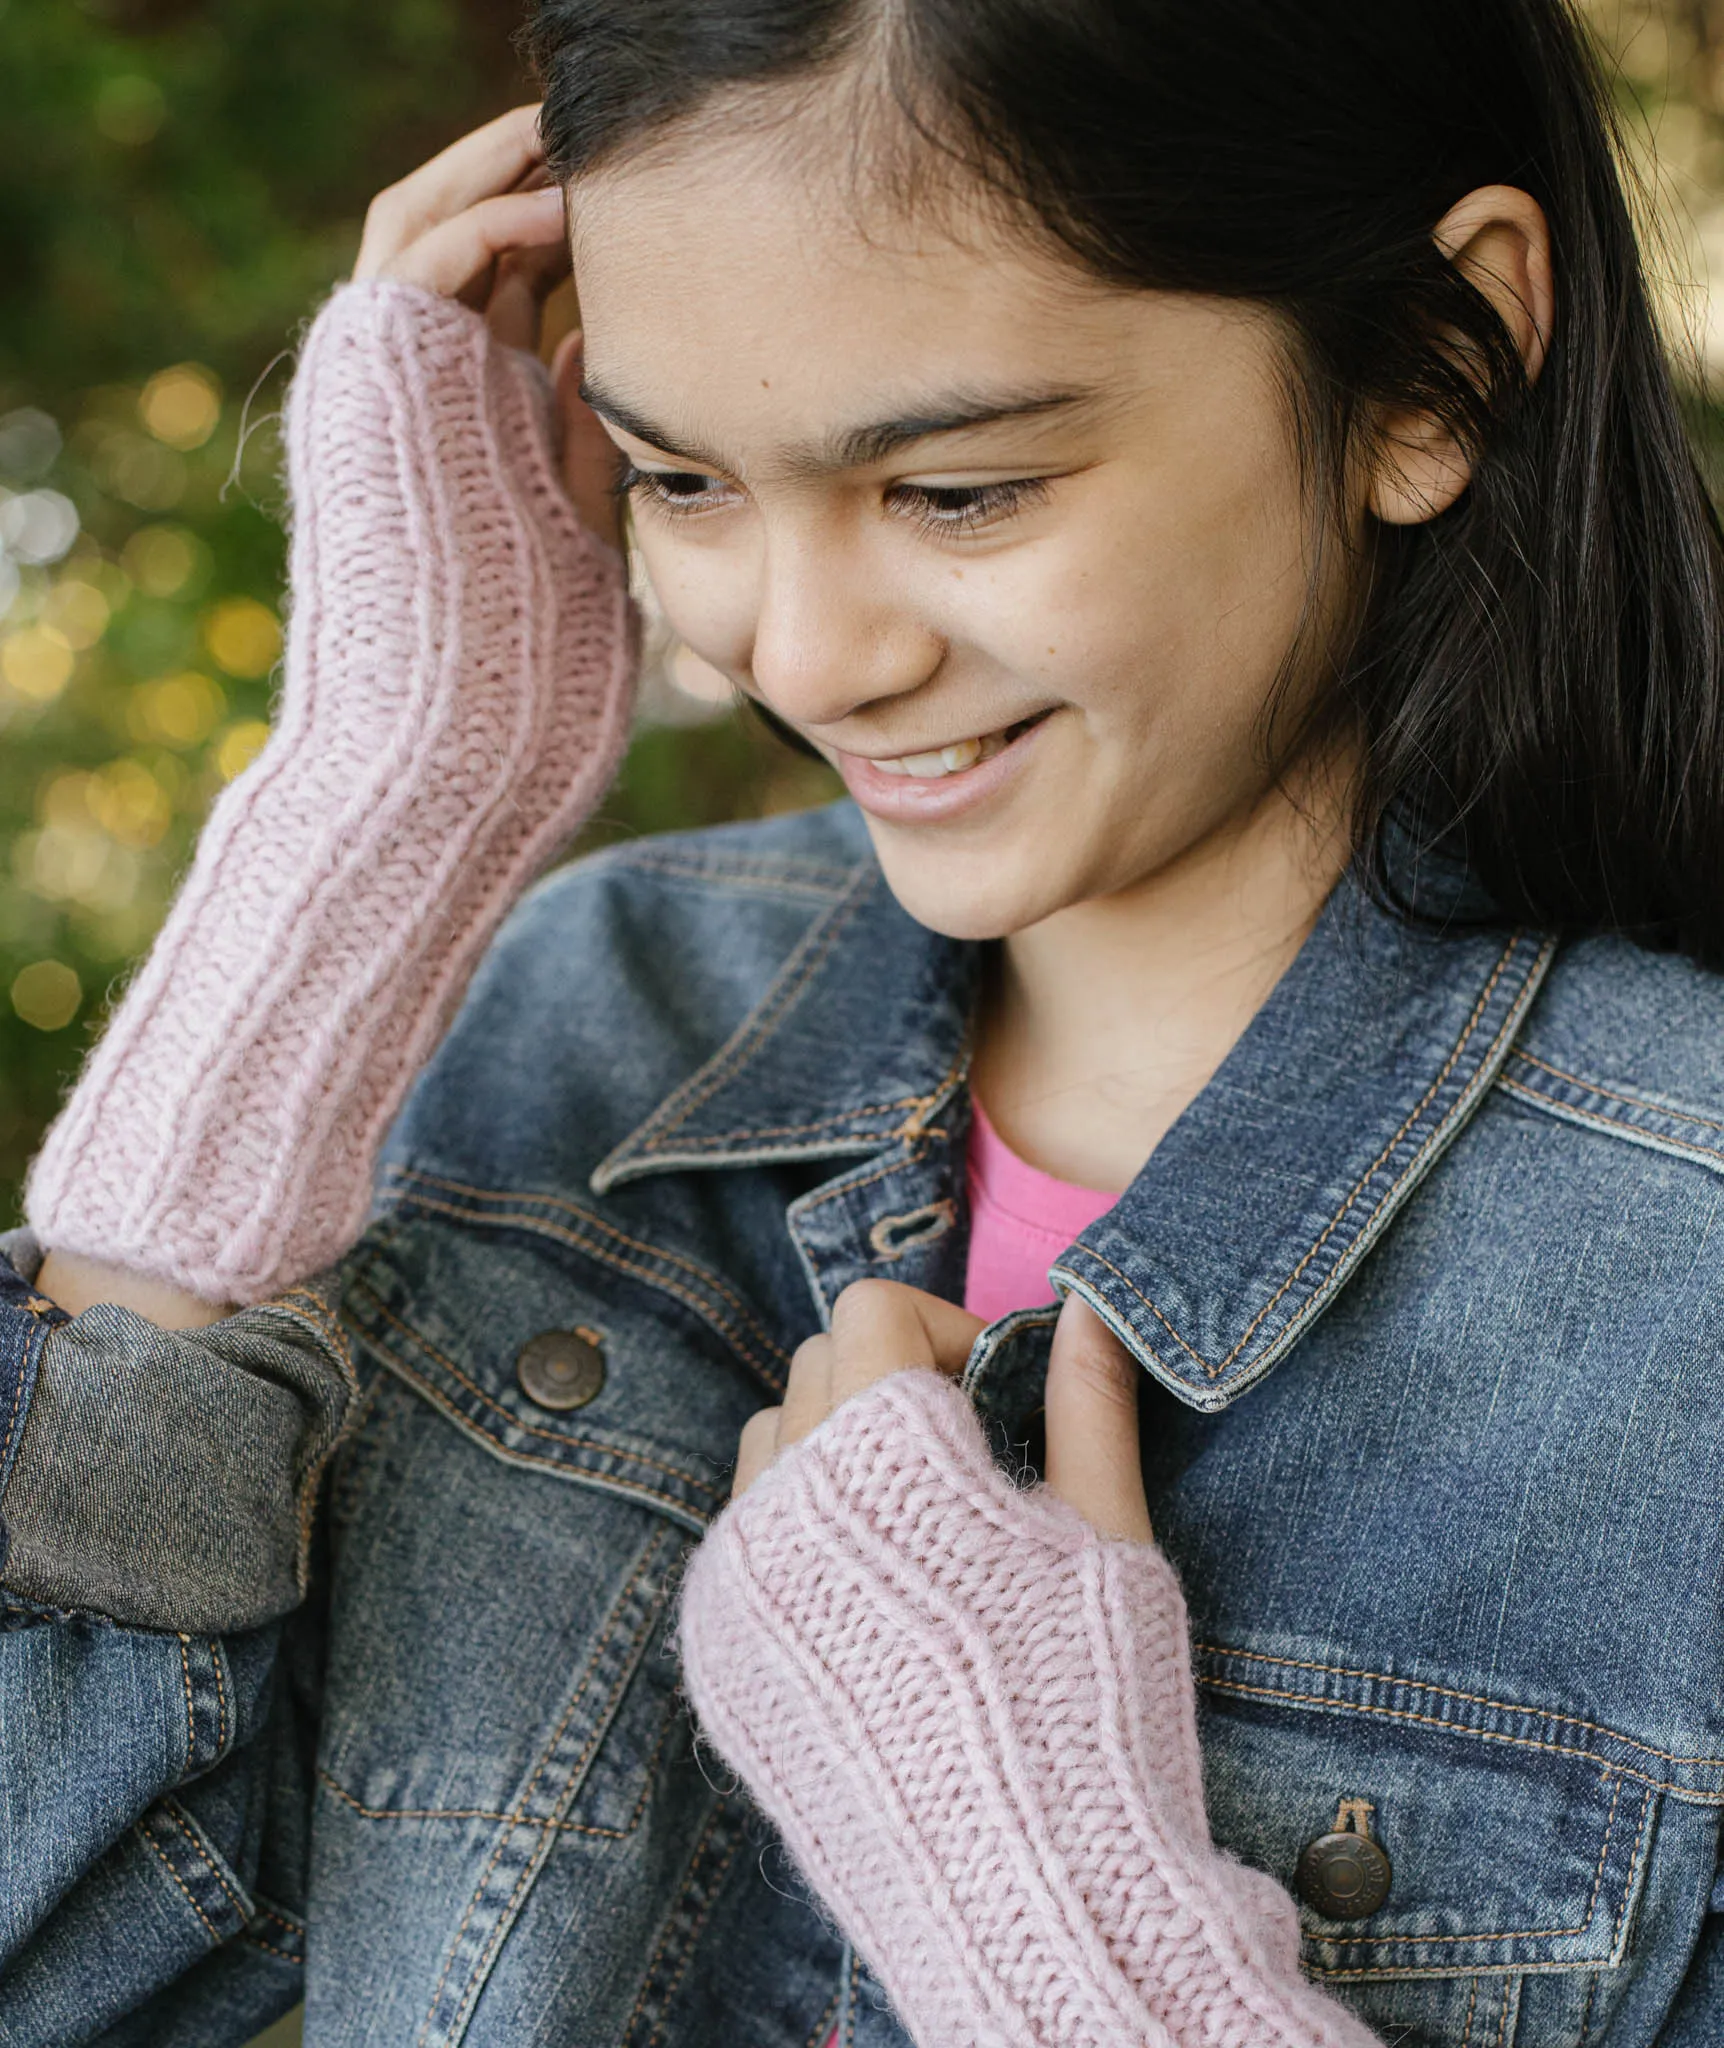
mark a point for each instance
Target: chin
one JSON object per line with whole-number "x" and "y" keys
{"x": 965, "y": 898}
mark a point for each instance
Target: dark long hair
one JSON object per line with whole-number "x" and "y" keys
{"x": 1536, "y": 677}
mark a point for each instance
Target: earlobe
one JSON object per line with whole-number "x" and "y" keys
{"x": 1499, "y": 240}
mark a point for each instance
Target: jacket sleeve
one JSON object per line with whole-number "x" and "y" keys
{"x": 157, "y": 1490}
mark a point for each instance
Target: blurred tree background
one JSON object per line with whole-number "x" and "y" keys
{"x": 180, "y": 182}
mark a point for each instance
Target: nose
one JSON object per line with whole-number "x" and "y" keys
{"x": 831, "y": 634}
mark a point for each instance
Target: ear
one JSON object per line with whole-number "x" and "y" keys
{"x": 1499, "y": 240}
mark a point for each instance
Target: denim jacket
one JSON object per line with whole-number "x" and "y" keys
{"x": 335, "y": 1647}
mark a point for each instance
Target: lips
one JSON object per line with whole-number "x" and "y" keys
{"x": 939, "y": 762}
{"x": 942, "y": 783}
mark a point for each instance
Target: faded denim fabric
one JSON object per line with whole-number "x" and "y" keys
{"x": 1426, "y": 1286}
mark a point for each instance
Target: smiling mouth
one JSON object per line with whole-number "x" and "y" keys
{"x": 961, "y": 754}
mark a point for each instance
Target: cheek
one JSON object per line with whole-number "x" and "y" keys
{"x": 1186, "y": 602}
{"x": 706, "y": 592}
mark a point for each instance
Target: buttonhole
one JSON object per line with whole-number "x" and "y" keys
{"x": 893, "y": 1236}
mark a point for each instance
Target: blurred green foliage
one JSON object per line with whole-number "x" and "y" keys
{"x": 180, "y": 183}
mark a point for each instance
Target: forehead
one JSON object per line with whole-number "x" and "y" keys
{"x": 737, "y": 268}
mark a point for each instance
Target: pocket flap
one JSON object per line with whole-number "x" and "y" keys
{"x": 1502, "y": 1856}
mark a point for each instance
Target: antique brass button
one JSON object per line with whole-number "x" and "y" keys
{"x": 1345, "y": 1873}
{"x": 561, "y": 1369}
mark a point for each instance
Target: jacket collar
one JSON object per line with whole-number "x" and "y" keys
{"x": 1366, "y": 1061}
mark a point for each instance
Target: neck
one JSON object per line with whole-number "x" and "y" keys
{"x": 1104, "y": 1021}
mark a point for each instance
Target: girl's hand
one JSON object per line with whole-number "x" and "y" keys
{"x": 482, "y": 223}
{"x": 880, "y": 1328}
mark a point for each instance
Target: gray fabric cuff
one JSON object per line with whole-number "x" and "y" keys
{"x": 167, "y": 1478}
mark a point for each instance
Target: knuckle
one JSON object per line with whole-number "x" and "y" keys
{"x": 864, "y": 1299}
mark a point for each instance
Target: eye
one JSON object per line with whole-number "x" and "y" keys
{"x": 676, "y": 492}
{"x": 966, "y": 508}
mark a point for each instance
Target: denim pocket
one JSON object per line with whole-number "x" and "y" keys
{"x": 1519, "y": 1868}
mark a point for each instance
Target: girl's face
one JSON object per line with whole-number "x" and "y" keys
{"x": 1021, "y": 554}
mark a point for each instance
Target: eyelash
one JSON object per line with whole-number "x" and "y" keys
{"x": 981, "y": 504}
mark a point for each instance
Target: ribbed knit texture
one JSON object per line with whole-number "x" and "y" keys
{"x": 973, "y": 1722}
{"x": 456, "y": 693}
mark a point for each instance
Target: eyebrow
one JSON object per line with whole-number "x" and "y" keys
{"x": 853, "y": 447}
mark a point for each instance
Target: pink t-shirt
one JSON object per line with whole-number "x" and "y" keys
{"x": 1021, "y": 1219}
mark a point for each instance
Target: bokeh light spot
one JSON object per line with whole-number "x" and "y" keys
{"x": 163, "y": 560}
{"x": 37, "y": 526}
{"x": 29, "y": 442}
{"x": 37, "y": 663}
{"x": 77, "y": 611}
{"x": 243, "y": 636}
{"x": 127, "y": 801}
{"x": 129, "y": 109}
{"x": 47, "y": 994}
{"x": 239, "y": 747}
{"x": 181, "y": 406}
{"x": 178, "y": 710}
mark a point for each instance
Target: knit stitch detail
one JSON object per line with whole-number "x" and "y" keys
{"x": 973, "y": 1721}
{"x": 455, "y": 696}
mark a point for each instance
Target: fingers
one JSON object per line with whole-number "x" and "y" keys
{"x": 491, "y": 160}
{"x": 1093, "y": 1462}
{"x": 808, "y": 1391}
{"x": 524, "y": 279}
{"x": 758, "y": 1448}
{"x": 590, "y": 456}
{"x": 455, "y": 257}
{"x": 878, "y": 1328}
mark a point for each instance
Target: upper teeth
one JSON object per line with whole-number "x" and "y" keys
{"x": 950, "y": 760}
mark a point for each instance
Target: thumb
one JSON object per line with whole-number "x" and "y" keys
{"x": 589, "y": 455}
{"x": 1092, "y": 1461}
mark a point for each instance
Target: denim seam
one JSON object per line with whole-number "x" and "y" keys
{"x": 217, "y": 1660}
{"x": 1298, "y": 1699}
{"x": 1586, "y": 2011}
{"x": 156, "y": 1850}
{"x": 719, "y": 1812}
{"x": 1472, "y": 2006}
{"x": 759, "y": 1026}
{"x": 850, "y": 1185}
{"x": 550, "y": 1435}
{"x": 1634, "y": 1871}
{"x": 696, "y": 1271}
{"x": 1686, "y": 1116}
{"x": 850, "y": 2007}
{"x": 562, "y": 1827}
{"x": 1502, "y": 2021}
{"x": 1449, "y": 1692}
{"x": 826, "y": 2024}
{"x": 283, "y": 1920}
{"x": 562, "y": 1467}
{"x": 206, "y": 1854}
{"x": 1511, "y": 1934}
{"x": 1616, "y": 1127}
{"x": 185, "y": 1643}
{"x": 269, "y": 1948}
{"x": 1215, "y": 1371}
{"x": 842, "y": 1116}
{"x": 481, "y": 1967}
{"x": 528, "y": 1873}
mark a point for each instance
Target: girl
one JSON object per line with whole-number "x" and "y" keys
{"x": 1205, "y": 476}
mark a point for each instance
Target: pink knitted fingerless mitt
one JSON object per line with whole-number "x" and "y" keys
{"x": 973, "y": 1722}
{"x": 456, "y": 693}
